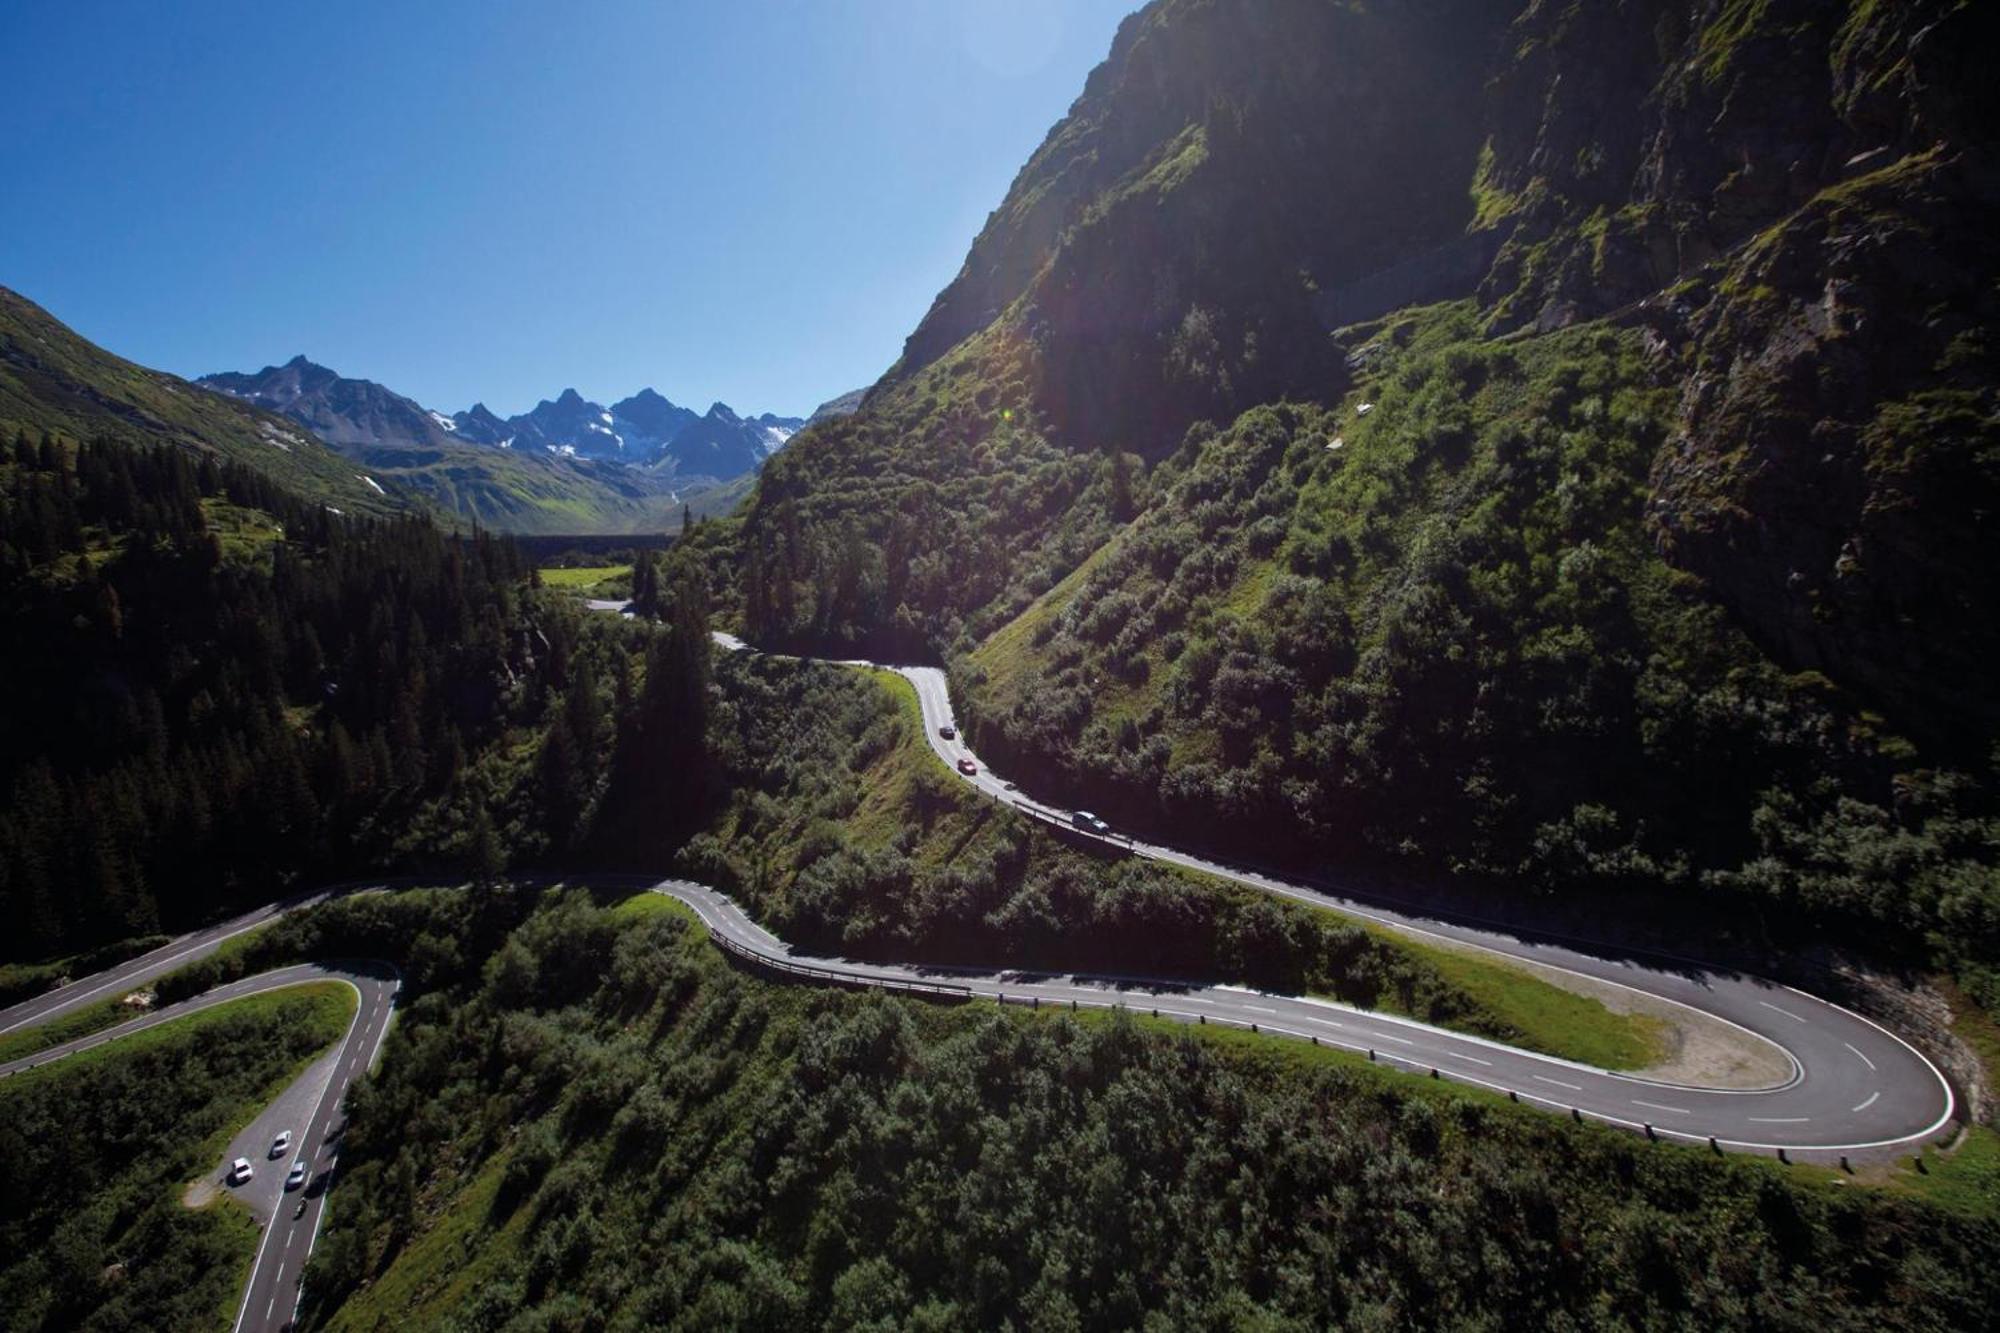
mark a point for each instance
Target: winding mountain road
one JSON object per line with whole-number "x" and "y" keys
{"x": 1855, "y": 1089}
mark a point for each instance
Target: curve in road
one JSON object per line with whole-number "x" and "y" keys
{"x": 271, "y": 1295}
{"x": 1856, "y": 1090}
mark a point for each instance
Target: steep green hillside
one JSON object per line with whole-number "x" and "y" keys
{"x": 53, "y": 380}
{"x": 1652, "y": 564}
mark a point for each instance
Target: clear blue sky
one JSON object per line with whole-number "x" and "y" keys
{"x": 749, "y": 200}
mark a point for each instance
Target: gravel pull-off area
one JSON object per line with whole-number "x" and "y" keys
{"x": 1702, "y": 1050}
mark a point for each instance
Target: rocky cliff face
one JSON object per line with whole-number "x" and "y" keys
{"x": 1162, "y": 250}
{"x": 1800, "y": 193}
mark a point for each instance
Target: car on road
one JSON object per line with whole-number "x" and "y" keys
{"x": 282, "y": 1144}
{"x": 948, "y": 731}
{"x": 297, "y": 1176}
{"x": 240, "y": 1172}
{"x": 967, "y": 767}
{"x": 1089, "y": 823}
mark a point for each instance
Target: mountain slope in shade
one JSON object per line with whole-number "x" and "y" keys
{"x": 53, "y": 379}
{"x": 478, "y": 425}
{"x": 570, "y": 424}
{"x": 339, "y": 410}
{"x": 845, "y": 405}
{"x": 648, "y": 422}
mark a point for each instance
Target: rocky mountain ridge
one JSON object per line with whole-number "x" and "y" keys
{"x": 643, "y": 430}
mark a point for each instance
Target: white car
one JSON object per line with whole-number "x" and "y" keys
{"x": 239, "y": 1171}
{"x": 297, "y": 1176}
{"x": 282, "y": 1144}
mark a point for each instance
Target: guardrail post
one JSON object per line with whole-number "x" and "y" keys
{"x": 1037, "y": 1001}
{"x": 1714, "y": 1145}
{"x": 1315, "y": 1041}
{"x": 1253, "y": 1027}
{"x": 1781, "y": 1157}
{"x": 1371, "y": 1055}
{"x": 1651, "y": 1136}
{"x": 1576, "y": 1115}
{"x": 1203, "y": 1019}
{"x": 1513, "y": 1096}
{"x": 1844, "y": 1166}
{"x": 1434, "y": 1071}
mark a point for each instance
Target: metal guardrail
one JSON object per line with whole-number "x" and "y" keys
{"x": 835, "y": 976}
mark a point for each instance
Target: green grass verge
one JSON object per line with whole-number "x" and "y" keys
{"x": 434, "y": 1276}
{"x": 1964, "y": 1178}
{"x": 109, "y": 1012}
{"x": 1548, "y": 1018}
{"x": 26, "y": 981}
{"x": 331, "y": 1007}
{"x": 582, "y": 579}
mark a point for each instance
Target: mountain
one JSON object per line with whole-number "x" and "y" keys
{"x": 845, "y": 405}
{"x": 339, "y": 410}
{"x": 480, "y": 426}
{"x": 649, "y": 422}
{"x": 1555, "y": 444}
{"x": 648, "y": 428}
{"x": 51, "y": 379}
{"x": 570, "y": 424}
{"x": 722, "y": 444}
{"x": 644, "y": 430}
{"x": 568, "y": 465}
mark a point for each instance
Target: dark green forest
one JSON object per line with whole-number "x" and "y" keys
{"x": 218, "y": 691}
{"x": 590, "y": 1119}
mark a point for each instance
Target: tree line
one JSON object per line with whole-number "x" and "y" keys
{"x": 217, "y": 689}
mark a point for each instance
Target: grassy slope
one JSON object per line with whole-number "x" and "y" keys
{"x": 51, "y": 379}
{"x": 327, "y": 1000}
{"x": 109, "y": 1012}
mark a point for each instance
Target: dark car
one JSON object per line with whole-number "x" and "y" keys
{"x": 948, "y": 731}
{"x": 1089, "y": 823}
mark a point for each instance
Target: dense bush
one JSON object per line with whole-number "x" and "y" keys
{"x": 716, "y": 1150}
{"x": 1466, "y": 652}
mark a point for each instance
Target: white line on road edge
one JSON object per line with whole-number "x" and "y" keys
{"x": 71, "y": 1001}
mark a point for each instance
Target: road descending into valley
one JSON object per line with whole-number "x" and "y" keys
{"x": 1854, "y": 1089}
{"x": 291, "y": 1218}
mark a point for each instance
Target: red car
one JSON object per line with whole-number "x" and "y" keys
{"x": 967, "y": 767}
